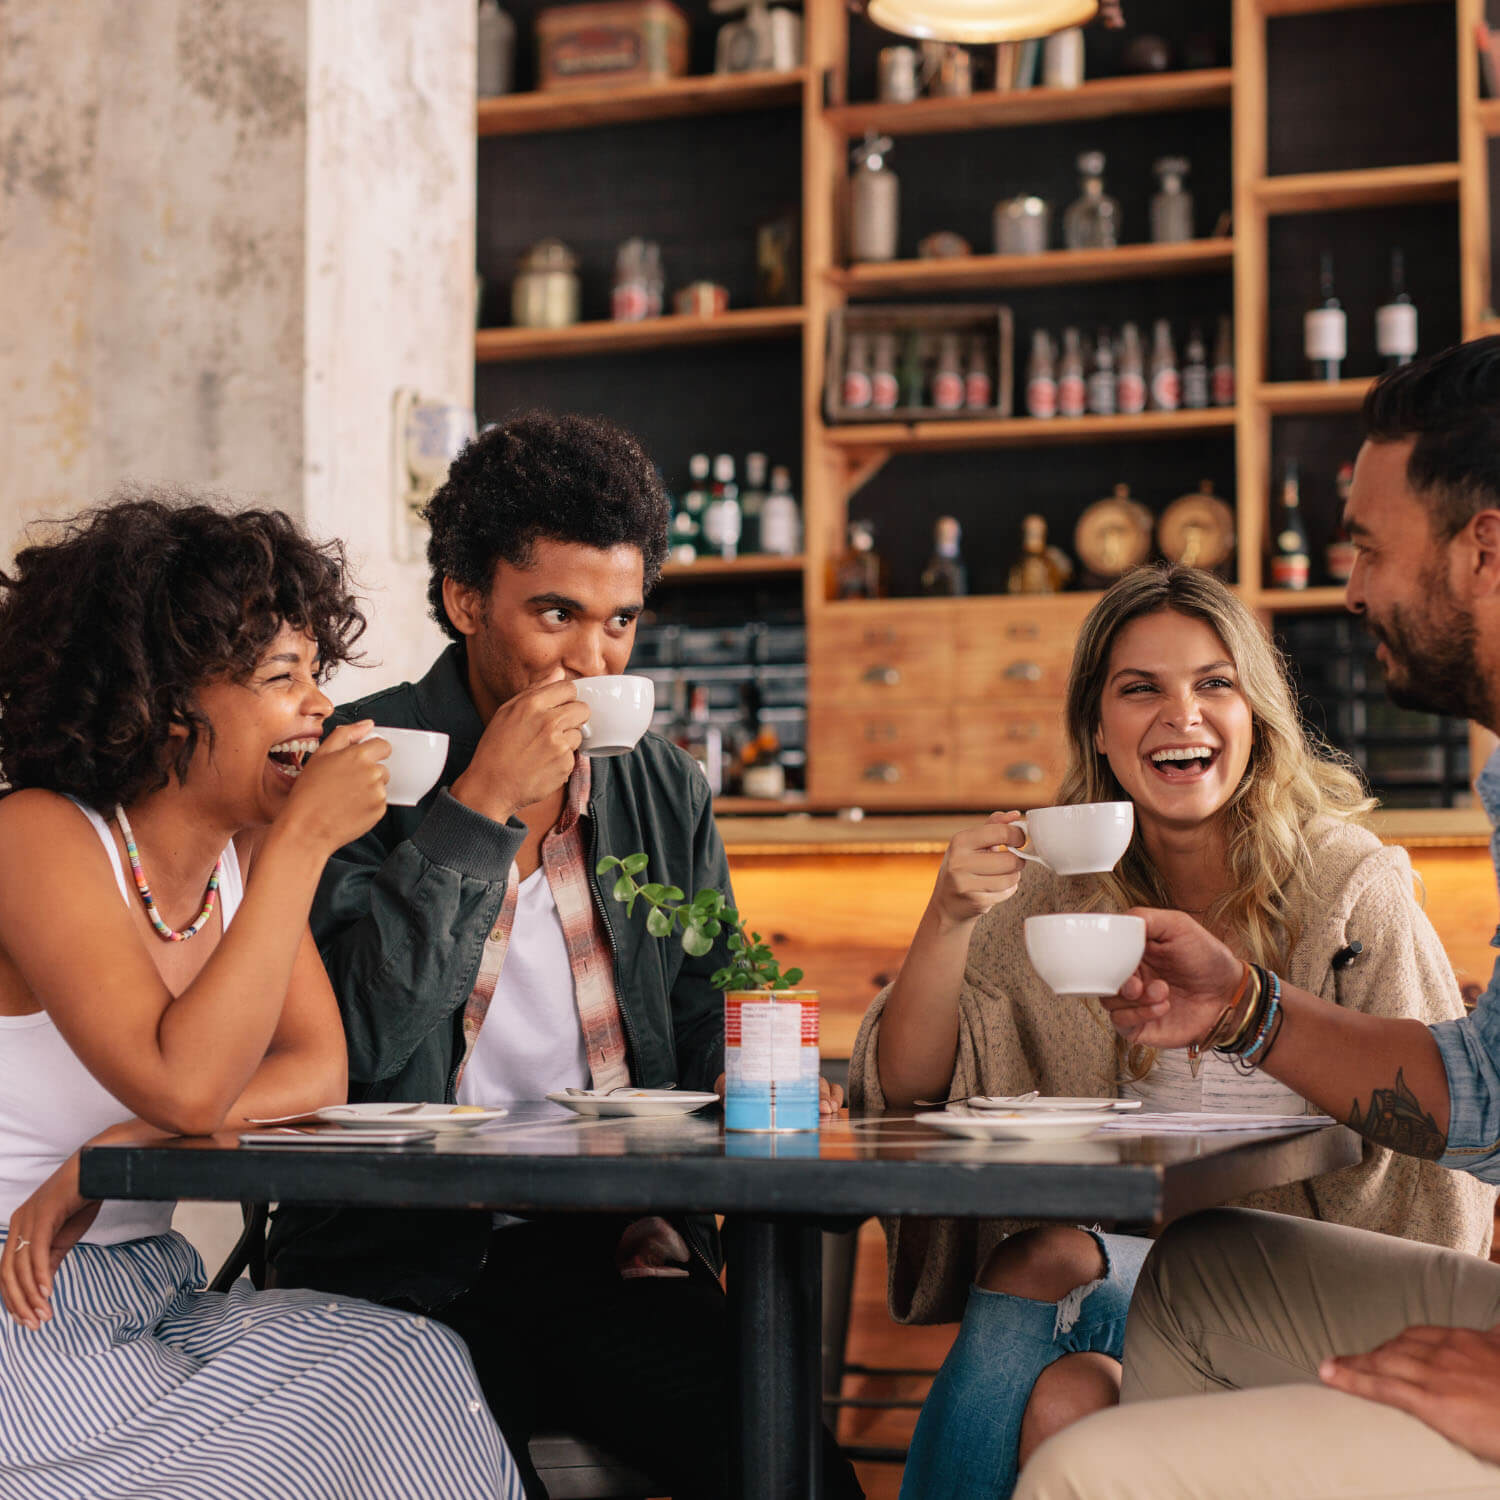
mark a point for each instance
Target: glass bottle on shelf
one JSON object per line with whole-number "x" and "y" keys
{"x": 1103, "y": 387}
{"x": 1221, "y": 377}
{"x": 780, "y": 521}
{"x": 1171, "y": 204}
{"x": 911, "y": 376}
{"x": 1072, "y": 393}
{"x": 1166, "y": 383}
{"x": 874, "y": 201}
{"x": 1396, "y": 319}
{"x": 885, "y": 390}
{"x": 1040, "y": 569}
{"x": 859, "y": 571}
{"x": 1041, "y": 375}
{"x": 857, "y": 390}
{"x": 1325, "y": 328}
{"x": 704, "y": 740}
{"x": 721, "y": 517}
{"x": 1195, "y": 370}
{"x": 1131, "y": 383}
{"x": 687, "y": 517}
{"x": 752, "y": 502}
{"x": 945, "y": 573}
{"x": 1291, "y": 560}
{"x": 1341, "y": 553}
{"x": 979, "y": 384}
{"x": 1092, "y": 220}
{"x": 947, "y": 378}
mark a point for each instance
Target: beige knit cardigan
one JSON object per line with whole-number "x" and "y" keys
{"x": 1015, "y": 1034}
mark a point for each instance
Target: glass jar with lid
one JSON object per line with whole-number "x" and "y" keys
{"x": 545, "y": 293}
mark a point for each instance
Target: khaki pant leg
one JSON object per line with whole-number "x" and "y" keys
{"x": 1281, "y": 1443}
{"x": 1233, "y": 1299}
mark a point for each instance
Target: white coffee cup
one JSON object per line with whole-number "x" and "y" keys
{"x": 1086, "y": 838}
{"x": 620, "y": 711}
{"x": 416, "y": 761}
{"x": 1085, "y": 953}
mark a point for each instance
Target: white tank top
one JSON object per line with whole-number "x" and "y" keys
{"x": 50, "y": 1104}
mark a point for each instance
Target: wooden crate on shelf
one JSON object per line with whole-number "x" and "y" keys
{"x": 990, "y": 321}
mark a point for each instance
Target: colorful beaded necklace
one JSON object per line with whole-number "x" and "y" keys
{"x": 163, "y": 931}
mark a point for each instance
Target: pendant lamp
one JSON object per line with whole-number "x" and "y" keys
{"x": 979, "y": 20}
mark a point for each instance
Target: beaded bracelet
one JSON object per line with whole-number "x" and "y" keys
{"x": 1253, "y": 1055}
{"x": 1196, "y": 1049}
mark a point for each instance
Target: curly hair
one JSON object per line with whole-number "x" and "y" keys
{"x": 111, "y": 626}
{"x": 1291, "y": 779}
{"x": 565, "y": 478}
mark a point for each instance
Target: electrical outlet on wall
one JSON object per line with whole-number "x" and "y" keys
{"x": 426, "y": 436}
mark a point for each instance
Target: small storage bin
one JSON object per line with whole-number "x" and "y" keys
{"x": 615, "y": 42}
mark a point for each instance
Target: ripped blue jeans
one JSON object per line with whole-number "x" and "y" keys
{"x": 969, "y": 1430}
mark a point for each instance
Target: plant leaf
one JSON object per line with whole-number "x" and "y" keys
{"x": 652, "y": 891}
{"x": 721, "y": 979}
{"x": 695, "y": 943}
{"x": 671, "y": 893}
{"x": 712, "y": 928}
{"x": 624, "y": 888}
{"x": 633, "y": 864}
{"x": 794, "y": 976}
{"x": 605, "y": 865}
{"x": 658, "y": 922}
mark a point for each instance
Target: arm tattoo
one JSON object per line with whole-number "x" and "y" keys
{"x": 1395, "y": 1118}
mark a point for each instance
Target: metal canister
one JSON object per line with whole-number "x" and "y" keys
{"x": 899, "y": 75}
{"x": 1022, "y": 225}
{"x": 545, "y": 293}
{"x": 874, "y": 202}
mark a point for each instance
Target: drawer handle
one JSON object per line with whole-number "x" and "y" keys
{"x": 1024, "y": 630}
{"x": 1027, "y": 729}
{"x": 875, "y": 732}
{"x": 883, "y": 770}
{"x": 883, "y": 676}
{"x": 1023, "y": 671}
{"x": 1024, "y": 770}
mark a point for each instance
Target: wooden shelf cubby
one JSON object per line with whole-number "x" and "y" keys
{"x": 497, "y": 345}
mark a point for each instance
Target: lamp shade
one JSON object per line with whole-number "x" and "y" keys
{"x": 979, "y": 20}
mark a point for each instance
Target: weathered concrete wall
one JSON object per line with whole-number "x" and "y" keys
{"x": 227, "y": 233}
{"x": 390, "y": 280}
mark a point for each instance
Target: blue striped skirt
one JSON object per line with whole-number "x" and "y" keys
{"x": 144, "y": 1387}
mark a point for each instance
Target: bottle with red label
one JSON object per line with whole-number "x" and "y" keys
{"x": 1166, "y": 382}
{"x": 885, "y": 389}
{"x": 1221, "y": 377}
{"x": 1072, "y": 393}
{"x": 947, "y": 378}
{"x": 1131, "y": 386}
{"x": 1291, "y": 561}
{"x": 858, "y": 390}
{"x": 979, "y": 385}
{"x": 1042, "y": 393}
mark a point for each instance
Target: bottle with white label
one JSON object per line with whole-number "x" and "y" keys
{"x": 1166, "y": 383}
{"x": 1072, "y": 393}
{"x": 948, "y": 379}
{"x": 1131, "y": 385}
{"x": 978, "y": 383}
{"x": 1195, "y": 371}
{"x": 1396, "y": 320}
{"x": 780, "y": 521}
{"x": 1221, "y": 378}
{"x": 687, "y": 517}
{"x": 752, "y": 501}
{"x": 1103, "y": 386}
{"x": 721, "y": 518}
{"x": 857, "y": 389}
{"x": 1041, "y": 376}
{"x": 885, "y": 389}
{"x": 1325, "y": 328}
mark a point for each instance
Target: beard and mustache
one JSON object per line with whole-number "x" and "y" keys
{"x": 1433, "y": 654}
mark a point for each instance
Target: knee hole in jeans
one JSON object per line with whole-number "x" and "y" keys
{"x": 1043, "y": 1264}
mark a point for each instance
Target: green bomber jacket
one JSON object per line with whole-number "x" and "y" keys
{"x": 401, "y": 917}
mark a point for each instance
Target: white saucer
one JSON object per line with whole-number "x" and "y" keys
{"x": 635, "y": 1102}
{"x": 428, "y": 1116}
{"x": 988, "y": 1125}
{"x": 1071, "y": 1104}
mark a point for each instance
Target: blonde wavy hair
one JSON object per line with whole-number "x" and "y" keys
{"x": 1291, "y": 779}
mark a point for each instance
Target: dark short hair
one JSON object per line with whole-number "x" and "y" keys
{"x": 1450, "y": 403}
{"x": 565, "y": 478}
{"x": 110, "y": 628}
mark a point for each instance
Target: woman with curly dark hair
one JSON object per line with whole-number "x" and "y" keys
{"x": 168, "y": 813}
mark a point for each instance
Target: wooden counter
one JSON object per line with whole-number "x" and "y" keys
{"x": 841, "y": 899}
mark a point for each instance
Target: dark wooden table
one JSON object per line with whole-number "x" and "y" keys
{"x": 779, "y": 1190}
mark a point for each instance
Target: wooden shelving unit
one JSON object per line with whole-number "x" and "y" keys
{"x": 1099, "y": 99}
{"x": 1291, "y": 398}
{"x": 1488, "y": 111}
{"x": 495, "y": 345}
{"x": 581, "y": 109}
{"x": 1299, "y": 601}
{"x": 1375, "y": 187}
{"x": 1315, "y": 7}
{"x": 1050, "y": 268}
{"x": 752, "y": 565}
{"x": 1024, "y": 432}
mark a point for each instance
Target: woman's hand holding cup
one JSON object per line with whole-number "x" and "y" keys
{"x": 341, "y": 791}
{"x": 979, "y": 870}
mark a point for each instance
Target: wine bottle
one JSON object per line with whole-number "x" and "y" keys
{"x": 1103, "y": 387}
{"x": 1396, "y": 320}
{"x": 1041, "y": 376}
{"x": 1195, "y": 371}
{"x": 1290, "y": 558}
{"x": 1166, "y": 383}
{"x": 1222, "y": 377}
{"x": 945, "y": 573}
{"x": 1132, "y": 373}
{"x": 1325, "y": 328}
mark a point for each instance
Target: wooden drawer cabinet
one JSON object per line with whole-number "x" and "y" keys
{"x": 1021, "y": 649}
{"x": 882, "y": 654}
{"x": 875, "y": 759}
{"x": 1007, "y": 760}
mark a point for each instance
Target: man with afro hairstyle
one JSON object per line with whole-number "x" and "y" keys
{"x": 477, "y": 958}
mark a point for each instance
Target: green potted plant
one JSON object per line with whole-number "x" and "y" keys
{"x": 764, "y": 1089}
